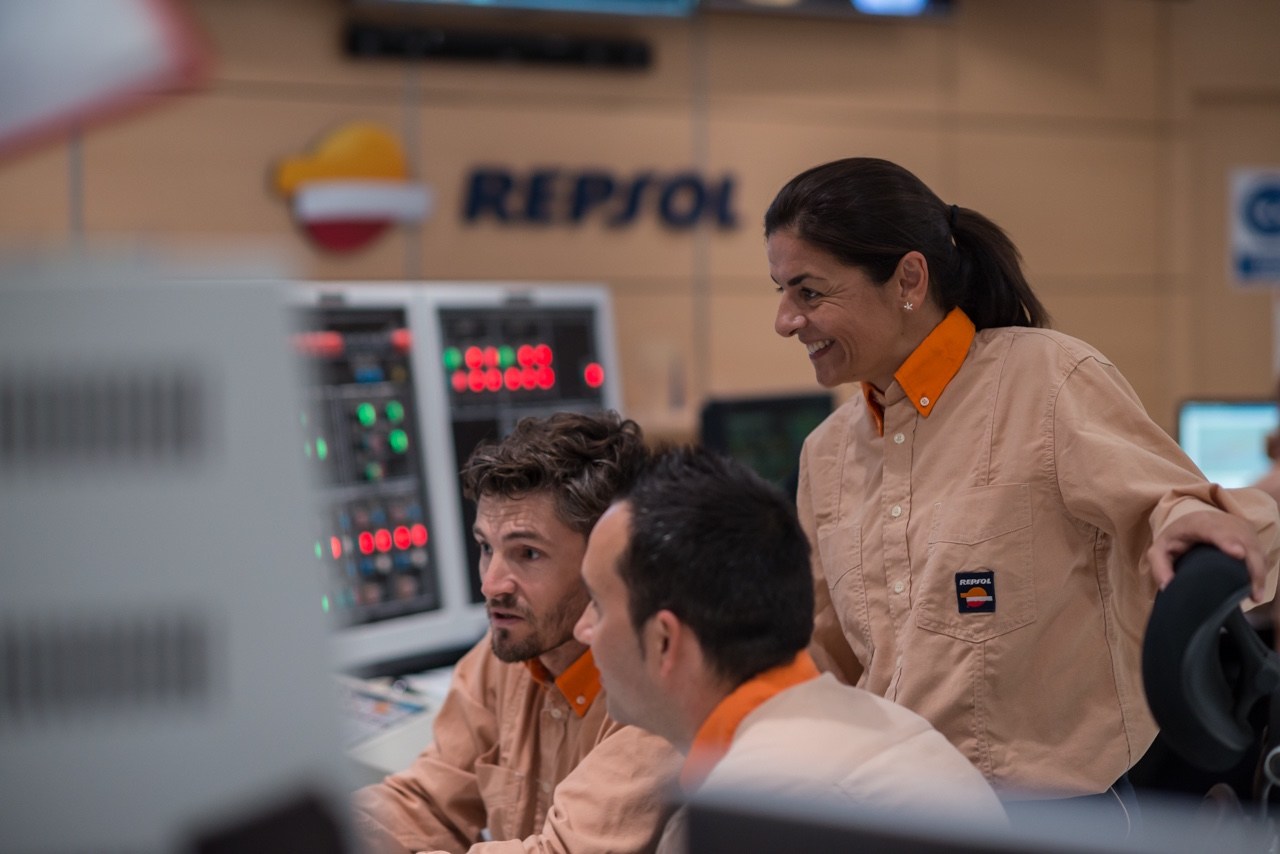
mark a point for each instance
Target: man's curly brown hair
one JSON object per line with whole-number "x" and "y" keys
{"x": 583, "y": 459}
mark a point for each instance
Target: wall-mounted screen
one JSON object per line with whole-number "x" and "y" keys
{"x": 1227, "y": 439}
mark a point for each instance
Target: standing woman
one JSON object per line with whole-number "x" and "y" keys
{"x": 993, "y": 513}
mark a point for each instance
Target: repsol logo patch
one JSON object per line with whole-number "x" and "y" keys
{"x": 976, "y": 591}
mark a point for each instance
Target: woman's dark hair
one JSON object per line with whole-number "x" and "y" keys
{"x": 582, "y": 459}
{"x": 868, "y": 213}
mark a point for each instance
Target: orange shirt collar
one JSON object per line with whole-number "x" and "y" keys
{"x": 579, "y": 684}
{"x": 930, "y": 367}
{"x": 716, "y": 733}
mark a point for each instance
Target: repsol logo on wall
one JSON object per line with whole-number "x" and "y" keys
{"x": 568, "y": 197}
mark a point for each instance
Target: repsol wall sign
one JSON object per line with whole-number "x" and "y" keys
{"x": 557, "y": 196}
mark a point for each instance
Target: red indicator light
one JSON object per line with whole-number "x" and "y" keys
{"x": 401, "y": 339}
{"x": 529, "y": 377}
{"x": 513, "y": 378}
{"x": 491, "y": 356}
{"x": 382, "y": 539}
{"x": 459, "y": 380}
{"x": 524, "y": 355}
{"x": 493, "y": 379}
{"x": 542, "y": 355}
{"x": 418, "y": 534}
{"x": 546, "y": 378}
{"x": 474, "y": 357}
{"x": 366, "y": 543}
{"x": 401, "y": 537}
{"x": 335, "y": 546}
{"x": 476, "y": 380}
{"x": 593, "y": 374}
{"x": 323, "y": 344}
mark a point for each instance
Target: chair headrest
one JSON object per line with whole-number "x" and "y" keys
{"x": 1204, "y": 667}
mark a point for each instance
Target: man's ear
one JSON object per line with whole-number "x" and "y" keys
{"x": 912, "y": 278}
{"x": 667, "y": 640}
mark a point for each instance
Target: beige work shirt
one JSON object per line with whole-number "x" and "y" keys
{"x": 981, "y": 560}
{"x": 540, "y": 764}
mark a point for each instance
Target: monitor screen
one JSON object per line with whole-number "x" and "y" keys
{"x": 1227, "y": 439}
{"x": 765, "y": 433}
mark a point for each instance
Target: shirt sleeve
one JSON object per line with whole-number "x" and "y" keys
{"x": 435, "y": 804}
{"x": 829, "y": 647}
{"x": 615, "y": 801}
{"x": 1121, "y": 472}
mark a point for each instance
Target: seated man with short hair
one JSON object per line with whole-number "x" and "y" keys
{"x": 524, "y": 752}
{"x": 701, "y": 610}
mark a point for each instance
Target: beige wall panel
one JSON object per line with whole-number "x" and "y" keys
{"x": 300, "y": 42}
{"x": 656, "y": 349}
{"x": 35, "y": 195}
{"x": 765, "y": 155}
{"x": 1061, "y": 58}
{"x": 746, "y": 356}
{"x": 1075, "y": 204}
{"x": 1224, "y": 44}
{"x": 773, "y": 68}
{"x": 200, "y": 169}
{"x": 1232, "y": 326}
{"x": 622, "y": 142}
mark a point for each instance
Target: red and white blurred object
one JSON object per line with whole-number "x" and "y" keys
{"x": 67, "y": 64}
{"x": 352, "y": 186}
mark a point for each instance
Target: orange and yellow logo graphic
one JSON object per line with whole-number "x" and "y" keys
{"x": 351, "y": 187}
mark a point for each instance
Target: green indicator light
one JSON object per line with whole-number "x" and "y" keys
{"x": 366, "y": 414}
{"x": 452, "y": 358}
{"x": 322, "y": 449}
{"x": 395, "y": 412}
{"x": 399, "y": 441}
{"x": 372, "y": 471}
{"x": 506, "y": 356}
{"x": 324, "y": 603}
{"x": 306, "y": 449}
{"x": 319, "y": 550}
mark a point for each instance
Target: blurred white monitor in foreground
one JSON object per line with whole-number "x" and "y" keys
{"x": 1227, "y": 439}
{"x": 163, "y": 678}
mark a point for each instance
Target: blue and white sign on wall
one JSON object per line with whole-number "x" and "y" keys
{"x": 1255, "y": 226}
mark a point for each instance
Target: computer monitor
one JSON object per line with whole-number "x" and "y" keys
{"x": 766, "y": 433}
{"x": 163, "y": 683}
{"x": 1227, "y": 438}
{"x": 406, "y": 379}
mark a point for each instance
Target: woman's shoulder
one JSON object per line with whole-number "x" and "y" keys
{"x": 1025, "y": 343}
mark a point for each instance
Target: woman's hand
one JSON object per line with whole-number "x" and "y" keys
{"x": 1230, "y": 533}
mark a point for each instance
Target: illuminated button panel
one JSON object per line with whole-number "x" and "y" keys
{"x": 361, "y": 436}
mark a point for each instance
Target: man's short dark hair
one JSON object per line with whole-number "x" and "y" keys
{"x": 722, "y": 549}
{"x": 583, "y": 459}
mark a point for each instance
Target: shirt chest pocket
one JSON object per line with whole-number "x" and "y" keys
{"x": 840, "y": 549}
{"x": 500, "y": 789}
{"x": 978, "y": 580}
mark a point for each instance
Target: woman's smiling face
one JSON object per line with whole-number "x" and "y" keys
{"x": 854, "y": 329}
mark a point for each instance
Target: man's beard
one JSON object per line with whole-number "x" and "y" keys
{"x": 545, "y": 633}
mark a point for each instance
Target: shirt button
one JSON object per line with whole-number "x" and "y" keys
{"x": 581, "y": 700}
{"x": 898, "y": 587}
{"x": 924, "y": 401}
{"x": 898, "y": 438}
{"x": 557, "y": 714}
{"x": 546, "y": 787}
{"x": 895, "y": 511}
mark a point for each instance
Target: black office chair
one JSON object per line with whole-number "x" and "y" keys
{"x": 1209, "y": 677}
